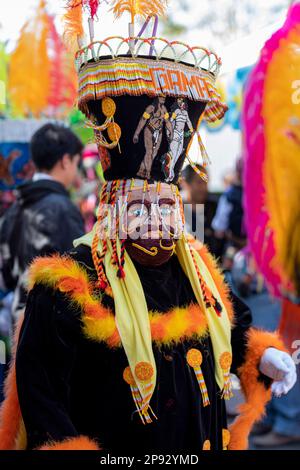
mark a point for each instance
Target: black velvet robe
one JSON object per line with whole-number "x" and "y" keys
{"x": 69, "y": 385}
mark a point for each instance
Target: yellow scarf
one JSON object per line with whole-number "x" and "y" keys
{"x": 132, "y": 318}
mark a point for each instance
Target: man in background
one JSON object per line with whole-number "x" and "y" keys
{"x": 200, "y": 208}
{"x": 43, "y": 220}
{"x": 228, "y": 223}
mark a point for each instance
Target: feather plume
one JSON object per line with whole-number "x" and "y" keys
{"x": 272, "y": 155}
{"x": 28, "y": 81}
{"x": 73, "y": 23}
{"x": 63, "y": 77}
{"x": 41, "y": 76}
{"x": 143, "y": 8}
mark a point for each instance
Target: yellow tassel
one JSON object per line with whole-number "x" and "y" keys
{"x": 194, "y": 359}
{"x": 205, "y": 157}
{"x": 142, "y": 404}
{"x": 225, "y": 363}
{"x": 196, "y": 169}
{"x": 225, "y": 438}
{"x": 206, "y": 445}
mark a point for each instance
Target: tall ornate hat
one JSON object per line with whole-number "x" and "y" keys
{"x": 144, "y": 97}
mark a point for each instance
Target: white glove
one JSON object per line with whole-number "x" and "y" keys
{"x": 280, "y": 367}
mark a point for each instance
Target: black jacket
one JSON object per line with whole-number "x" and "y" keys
{"x": 69, "y": 385}
{"x": 42, "y": 221}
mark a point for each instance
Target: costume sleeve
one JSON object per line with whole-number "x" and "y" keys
{"x": 221, "y": 220}
{"x": 44, "y": 359}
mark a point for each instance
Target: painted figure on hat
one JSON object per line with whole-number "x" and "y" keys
{"x": 154, "y": 121}
{"x": 180, "y": 120}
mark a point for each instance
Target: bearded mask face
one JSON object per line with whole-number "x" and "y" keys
{"x": 154, "y": 224}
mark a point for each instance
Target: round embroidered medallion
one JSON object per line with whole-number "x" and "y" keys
{"x": 194, "y": 357}
{"x": 108, "y": 107}
{"x": 114, "y": 131}
{"x": 225, "y": 360}
{"x": 143, "y": 371}
{"x": 128, "y": 377}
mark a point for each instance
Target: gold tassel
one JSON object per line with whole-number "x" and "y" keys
{"x": 113, "y": 129}
{"x": 196, "y": 169}
{"x": 142, "y": 405}
{"x": 205, "y": 158}
{"x": 206, "y": 445}
{"x": 194, "y": 359}
{"x": 225, "y": 363}
{"x": 225, "y": 438}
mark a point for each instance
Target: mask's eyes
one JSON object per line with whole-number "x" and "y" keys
{"x": 137, "y": 211}
{"x": 166, "y": 210}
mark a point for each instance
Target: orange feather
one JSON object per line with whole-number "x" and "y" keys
{"x": 73, "y": 24}
{"x": 29, "y": 69}
{"x": 143, "y": 8}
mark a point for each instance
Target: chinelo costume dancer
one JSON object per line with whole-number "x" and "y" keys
{"x": 128, "y": 341}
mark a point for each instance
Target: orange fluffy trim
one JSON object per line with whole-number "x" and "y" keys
{"x": 177, "y": 325}
{"x": 74, "y": 443}
{"x": 99, "y": 324}
{"x": 10, "y": 413}
{"x": 53, "y": 269}
{"x": 215, "y": 273}
{"x": 256, "y": 394}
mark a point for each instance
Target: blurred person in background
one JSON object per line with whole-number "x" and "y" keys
{"x": 228, "y": 178}
{"x": 245, "y": 277}
{"x": 200, "y": 207}
{"x": 228, "y": 223}
{"x": 7, "y": 198}
{"x": 43, "y": 220}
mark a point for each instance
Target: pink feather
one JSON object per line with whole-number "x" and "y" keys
{"x": 93, "y": 6}
{"x": 63, "y": 90}
{"x": 261, "y": 239}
